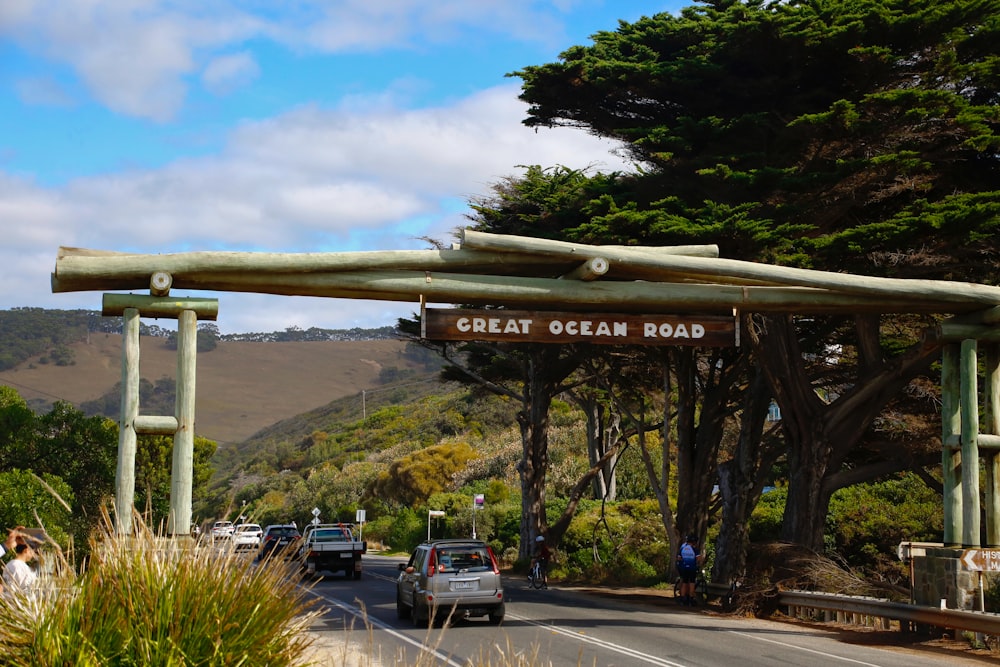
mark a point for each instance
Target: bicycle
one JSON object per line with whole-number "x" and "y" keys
{"x": 536, "y": 575}
{"x": 700, "y": 587}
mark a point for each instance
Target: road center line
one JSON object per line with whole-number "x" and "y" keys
{"x": 358, "y": 613}
{"x": 800, "y": 648}
{"x": 651, "y": 659}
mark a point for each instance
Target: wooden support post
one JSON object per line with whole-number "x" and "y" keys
{"x": 969, "y": 399}
{"x": 951, "y": 458}
{"x": 992, "y": 457}
{"x": 125, "y": 472}
{"x": 181, "y": 480}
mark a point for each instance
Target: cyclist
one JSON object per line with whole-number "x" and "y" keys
{"x": 689, "y": 559}
{"x": 541, "y": 556}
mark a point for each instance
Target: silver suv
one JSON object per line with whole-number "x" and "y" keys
{"x": 450, "y": 577}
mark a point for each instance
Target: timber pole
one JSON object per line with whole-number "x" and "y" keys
{"x": 951, "y": 453}
{"x": 970, "y": 449}
{"x": 181, "y": 478}
{"x": 180, "y": 425}
{"x": 992, "y": 456}
{"x": 127, "y": 440}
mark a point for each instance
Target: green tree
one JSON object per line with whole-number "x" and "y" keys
{"x": 414, "y": 478}
{"x": 835, "y": 134}
{"x": 36, "y": 501}
{"x": 64, "y": 444}
{"x": 153, "y": 469}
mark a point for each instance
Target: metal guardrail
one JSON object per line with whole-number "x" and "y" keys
{"x": 874, "y": 608}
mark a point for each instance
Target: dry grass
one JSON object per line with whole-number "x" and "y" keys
{"x": 241, "y": 387}
{"x": 143, "y": 599}
{"x": 778, "y": 566}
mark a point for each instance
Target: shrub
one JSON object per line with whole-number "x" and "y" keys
{"x": 144, "y": 600}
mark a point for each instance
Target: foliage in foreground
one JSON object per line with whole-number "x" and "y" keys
{"x": 146, "y": 600}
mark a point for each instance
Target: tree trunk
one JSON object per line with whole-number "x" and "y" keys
{"x": 603, "y": 432}
{"x": 741, "y": 481}
{"x": 544, "y": 373}
{"x": 701, "y": 417}
{"x": 820, "y": 435}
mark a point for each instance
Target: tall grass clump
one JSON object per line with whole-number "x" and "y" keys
{"x": 144, "y": 599}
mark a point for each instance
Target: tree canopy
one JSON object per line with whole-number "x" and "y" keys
{"x": 840, "y": 135}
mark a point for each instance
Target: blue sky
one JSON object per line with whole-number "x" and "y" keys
{"x": 160, "y": 126}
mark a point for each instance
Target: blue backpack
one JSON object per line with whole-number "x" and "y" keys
{"x": 688, "y": 557}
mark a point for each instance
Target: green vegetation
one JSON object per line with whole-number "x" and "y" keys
{"x": 145, "y": 600}
{"x": 744, "y": 140}
{"x": 73, "y": 454}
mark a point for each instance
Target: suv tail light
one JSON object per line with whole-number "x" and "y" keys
{"x": 431, "y": 563}
{"x": 493, "y": 560}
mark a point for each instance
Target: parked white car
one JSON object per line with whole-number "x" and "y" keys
{"x": 222, "y": 530}
{"x": 247, "y": 536}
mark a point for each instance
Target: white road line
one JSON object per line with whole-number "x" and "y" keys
{"x": 800, "y": 648}
{"x": 356, "y": 611}
{"x": 651, "y": 659}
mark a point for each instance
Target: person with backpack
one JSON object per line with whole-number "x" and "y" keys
{"x": 689, "y": 559}
{"x": 542, "y": 554}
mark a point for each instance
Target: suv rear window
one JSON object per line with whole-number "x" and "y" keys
{"x": 283, "y": 531}
{"x": 463, "y": 558}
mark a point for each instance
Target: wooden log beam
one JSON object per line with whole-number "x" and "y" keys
{"x": 155, "y": 425}
{"x": 953, "y": 331}
{"x": 592, "y": 269}
{"x": 985, "y": 316}
{"x": 395, "y": 276}
{"x": 518, "y": 244}
{"x": 516, "y": 291}
{"x": 710, "y": 268}
{"x": 983, "y": 441}
{"x": 160, "y": 306}
{"x": 73, "y": 264}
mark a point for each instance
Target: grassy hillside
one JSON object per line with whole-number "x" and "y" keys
{"x": 242, "y": 387}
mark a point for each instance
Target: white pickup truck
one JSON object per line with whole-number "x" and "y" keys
{"x": 331, "y": 547}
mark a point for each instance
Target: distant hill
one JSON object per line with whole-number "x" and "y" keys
{"x": 242, "y": 387}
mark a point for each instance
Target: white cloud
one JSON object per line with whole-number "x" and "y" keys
{"x": 226, "y": 73}
{"x": 368, "y": 173}
{"x": 281, "y": 181}
{"x": 136, "y": 56}
{"x": 43, "y": 92}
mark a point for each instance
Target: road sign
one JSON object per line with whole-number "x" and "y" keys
{"x": 987, "y": 560}
{"x": 359, "y": 516}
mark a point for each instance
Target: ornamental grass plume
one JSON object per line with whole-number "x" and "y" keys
{"x": 145, "y": 599}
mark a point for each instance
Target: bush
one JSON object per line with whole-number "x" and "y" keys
{"x": 144, "y": 600}
{"x": 866, "y": 523}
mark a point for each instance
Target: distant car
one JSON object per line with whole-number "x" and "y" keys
{"x": 279, "y": 540}
{"x": 221, "y": 530}
{"x": 247, "y": 536}
{"x": 457, "y": 577}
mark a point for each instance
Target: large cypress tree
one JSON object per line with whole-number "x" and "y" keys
{"x": 834, "y": 134}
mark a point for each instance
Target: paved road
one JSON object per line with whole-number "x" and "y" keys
{"x": 566, "y": 627}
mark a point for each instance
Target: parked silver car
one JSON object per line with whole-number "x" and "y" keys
{"x": 450, "y": 577}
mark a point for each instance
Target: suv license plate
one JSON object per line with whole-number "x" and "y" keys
{"x": 463, "y": 585}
